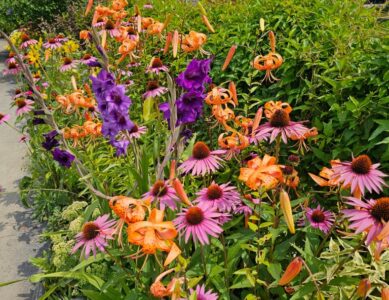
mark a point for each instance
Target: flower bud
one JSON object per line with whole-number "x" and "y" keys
{"x": 287, "y": 210}
{"x": 292, "y": 270}
{"x": 179, "y": 188}
{"x": 363, "y": 287}
{"x": 207, "y": 23}
{"x": 229, "y": 57}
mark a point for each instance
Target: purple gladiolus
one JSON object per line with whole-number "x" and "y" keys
{"x": 195, "y": 75}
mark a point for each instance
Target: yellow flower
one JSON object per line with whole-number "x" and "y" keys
{"x": 70, "y": 47}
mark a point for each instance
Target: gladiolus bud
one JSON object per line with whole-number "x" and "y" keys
{"x": 169, "y": 38}
{"x": 385, "y": 293}
{"x": 287, "y": 210}
{"x": 229, "y": 57}
{"x": 292, "y": 270}
{"x": 206, "y": 22}
{"x": 179, "y": 188}
{"x": 262, "y": 24}
{"x": 363, "y": 287}
{"x": 175, "y": 43}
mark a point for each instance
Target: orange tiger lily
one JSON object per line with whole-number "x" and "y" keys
{"x": 156, "y": 29}
{"x": 194, "y": 41}
{"x": 325, "y": 177}
{"x": 262, "y": 173}
{"x": 154, "y": 234}
{"x": 269, "y": 62}
{"x": 271, "y": 106}
{"x": 126, "y": 49}
{"x": 172, "y": 289}
{"x": 119, "y": 4}
{"x": 234, "y": 143}
{"x": 301, "y": 140}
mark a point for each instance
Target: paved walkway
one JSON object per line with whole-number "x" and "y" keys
{"x": 18, "y": 234}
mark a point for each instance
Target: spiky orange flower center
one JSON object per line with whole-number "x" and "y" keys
{"x": 87, "y": 56}
{"x": 318, "y": 216}
{"x": 20, "y": 103}
{"x": 194, "y": 215}
{"x": 380, "y": 210}
{"x": 90, "y": 230}
{"x": 109, "y": 25}
{"x": 152, "y": 85}
{"x": 134, "y": 129}
{"x": 67, "y": 61}
{"x": 279, "y": 118}
{"x": 361, "y": 164}
{"x": 200, "y": 150}
{"x": 52, "y": 41}
{"x": 157, "y": 63}
{"x": 159, "y": 189}
{"x": 214, "y": 191}
{"x": 25, "y": 37}
{"x": 17, "y": 92}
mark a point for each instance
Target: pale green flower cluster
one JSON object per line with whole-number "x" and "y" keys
{"x": 76, "y": 225}
{"x": 61, "y": 250}
{"x": 73, "y": 210}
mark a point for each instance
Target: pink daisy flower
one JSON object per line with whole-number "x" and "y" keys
{"x": 94, "y": 235}
{"x": 99, "y": 23}
{"x": 280, "y": 124}
{"x": 111, "y": 29}
{"x": 224, "y": 197}
{"x": 136, "y": 131}
{"x": 360, "y": 174}
{"x": 199, "y": 222}
{"x": 52, "y": 44}
{"x": 12, "y": 58}
{"x": 203, "y": 161}
{"x": 164, "y": 193}
{"x": 88, "y": 59}
{"x": 154, "y": 90}
{"x": 13, "y": 69}
{"x": 27, "y": 41}
{"x": 4, "y": 118}
{"x": 202, "y": 294}
{"x": 320, "y": 218}
{"x": 371, "y": 216}
{"x": 68, "y": 64}
{"x": 23, "y": 106}
{"x": 156, "y": 66}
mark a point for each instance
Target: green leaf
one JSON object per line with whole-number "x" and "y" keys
{"x": 11, "y": 282}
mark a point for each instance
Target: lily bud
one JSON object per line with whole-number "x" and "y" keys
{"x": 232, "y": 88}
{"x": 272, "y": 39}
{"x": 287, "y": 210}
{"x": 385, "y": 293}
{"x": 169, "y": 38}
{"x": 172, "y": 170}
{"x": 179, "y": 188}
{"x": 88, "y": 7}
{"x": 206, "y": 22}
{"x": 363, "y": 287}
{"x": 175, "y": 43}
{"x": 201, "y": 7}
{"x": 262, "y": 24}
{"x": 229, "y": 57}
{"x": 292, "y": 270}
{"x": 74, "y": 82}
{"x": 257, "y": 120}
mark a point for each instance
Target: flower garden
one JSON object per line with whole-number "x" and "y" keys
{"x": 213, "y": 150}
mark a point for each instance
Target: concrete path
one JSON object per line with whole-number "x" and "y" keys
{"x": 18, "y": 233}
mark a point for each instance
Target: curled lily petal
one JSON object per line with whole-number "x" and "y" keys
{"x": 363, "y": 287}
{"x": 179, "y": 188}
{"x": 175, "y": 251}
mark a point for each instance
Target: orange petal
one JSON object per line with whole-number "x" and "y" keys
{"x": 173, "y": 254}
{"x": 172, "y": 169}
{"x": 257, "y": 120}
{"x": 320, "y": 181}
{"x": 88, "y": 7}
{"x": 384, "y": 232}
{"x": 287, "y": 210}
{"x": 74, "y": 83}
{"x": 232, "y": 88}
{"x": 291, "y": 271}
{"x": 385, "y": 293}
{"x": 229, "y": 57}
{"x": 175, "y": 43}
{"x": 178, "y": 187}
{"x": 206, "y": 22}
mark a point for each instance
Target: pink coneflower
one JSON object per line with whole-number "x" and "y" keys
{"x": 280, "y": 124}
{"x": 27, "y": 41}
{"x": 202, "y": 294}
{"x": 203, "y": 160}
{"x": 156, "y": 66}
{"x": 132, "y": 33}
{"x": 164, "y": 193}
{"x": 4, "y": 118}
{"x": 199, "y": 222}
{"x": 111, "y": 29}
{"x": 371, "y": 216}
{"x": 243, "y": 209}
{"x": 136, "y": 131}
{"x": 52, "y": 43}
{"x": 19, "y": 93}
{"x": 88, "y": 59}
{"x": 61, "y": 38}
{"x": 24, "y": 106}
{"x": 320, "y": 218}
{"x": 154, "y": 90}
{"x": 68, "y": 64}
{"x": 24, "y": 139}
{"x": 224, "y": 197}
{"x": 360, "y": 174}
{"x": 94, "y": 235}
{"x": 13, "y": 69}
